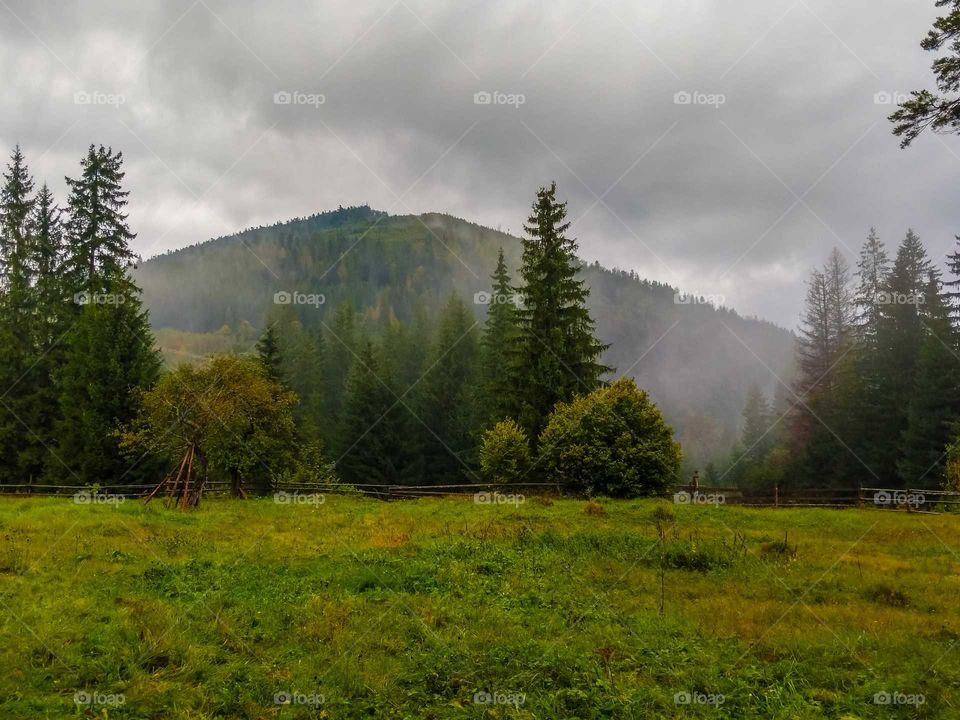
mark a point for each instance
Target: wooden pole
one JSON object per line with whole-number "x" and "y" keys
{"x": 153, "y": 492}
{"x": 186, "y": 483}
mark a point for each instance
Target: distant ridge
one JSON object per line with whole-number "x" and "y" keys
{"x": 691, "y": 357}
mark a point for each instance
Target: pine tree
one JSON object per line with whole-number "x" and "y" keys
{"x": 446, "y": 398}
{"x": 374, "y": 443}
{"x": 557, "y": 356}
{"x": 109, "y": 351}
{"x": 934, "y": 404}
{"x": 496, "y": 348}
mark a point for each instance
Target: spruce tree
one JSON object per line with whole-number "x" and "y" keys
{"x": 872, "y": 270}
{"x": 341, "y": 341}
{"x": 952, "y": 296}
{"x": 302, "y": 352}
{"x": 268, "y": 350}
{"x": 825, "y": 342}
{"x": 901, "y": 332}
{"x": 496, "y": 347}
{"x": 924, "y": 109}
{"x": 557, "y": 354}
{"x": 46, "y": 260}
{"x": 405, "y": 348}
{"x": 100, "y": 253}
{"x": 36, "y": 392}
{"x": 109, "y": 359}
{"x": 757, "y": 419}
{"x": 374, "y": 440}
{"x": 446, "y": 398}
{"x": 109, "y": 351}
{"x": 16, "y": 206}
{"x": 934, "y": 401}
{"x": 16, "y": 315}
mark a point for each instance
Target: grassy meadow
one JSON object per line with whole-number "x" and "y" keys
{"x": 445, "y": 608}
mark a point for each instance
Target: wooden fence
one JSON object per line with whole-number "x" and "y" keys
{"x": 911, "y": 500}
{"x": 383, "y": 491}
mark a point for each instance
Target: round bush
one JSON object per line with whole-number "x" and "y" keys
{"x": 613, "y": 442}
{"x": 505, "y": 453}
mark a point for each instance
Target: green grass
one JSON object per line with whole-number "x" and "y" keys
{"x": 406, "y": 610}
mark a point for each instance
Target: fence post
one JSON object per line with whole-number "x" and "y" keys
{"x": 776, "y": 496}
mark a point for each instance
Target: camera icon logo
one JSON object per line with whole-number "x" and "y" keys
{"x": 282, "y": 298}
{"x": 682, "y": 98}
{"x": 482, "y": 98}
{"x": 282, "y": 98}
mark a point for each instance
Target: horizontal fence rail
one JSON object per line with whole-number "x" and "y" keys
{"x": 910, "y": 500}
{"x": 220, "y": 487}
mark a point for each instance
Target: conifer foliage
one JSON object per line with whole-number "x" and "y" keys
{"x": 76, "y": 344}
{"x": 557, "y": 355}
{"x": 876, "y": 402}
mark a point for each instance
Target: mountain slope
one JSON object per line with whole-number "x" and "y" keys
{"x": 697, "y": 361}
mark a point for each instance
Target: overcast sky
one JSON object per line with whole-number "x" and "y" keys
{"x": 782, "y": 152}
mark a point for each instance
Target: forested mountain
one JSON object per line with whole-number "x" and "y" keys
{"x": 698, "y": 362}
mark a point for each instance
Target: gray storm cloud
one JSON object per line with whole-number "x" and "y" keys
{"x": 722, "y": 147}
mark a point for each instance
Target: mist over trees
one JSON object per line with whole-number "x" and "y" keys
{"x": 403, "y": 381}
{"x": 390, "y": 276}
{"x": 409, "y": 402}
{"x": 876, "y": 400}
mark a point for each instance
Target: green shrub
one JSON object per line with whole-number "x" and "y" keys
{"x": 505, "y": 453}
{"x": 612, "y": 442}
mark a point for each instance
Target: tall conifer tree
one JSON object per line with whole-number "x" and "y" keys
{"x": 497, "y": 346}
{"x": 110, "y": 352}
{"x": 900, "y": 333}
{"x": 446, "y": 398}
{"x": 375, "y": 430}
{"x": 558, "y": 355}
{"x": 16, "y": 316}
{"x": 934, "y": 401}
